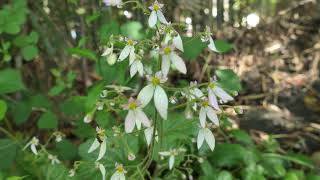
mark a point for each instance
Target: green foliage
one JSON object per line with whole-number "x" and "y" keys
{"x": 222, "y": 46}
{"x": 8, "y": 150}
{"x": 132, "y": 29}
{"x": 10, "y": 81}
{"x": 3, "y": 109}
{"x": 229, "y": 80}
{"x": 47, "y": 120}
{"x": 193, "y": 46}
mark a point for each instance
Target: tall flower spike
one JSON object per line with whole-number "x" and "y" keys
{"x": 205, "y": 135}
{"x": 207, "y": 111}
{"x": 156, "y": 14}
{"x": 135, "y": 116}
{"x": 128, "y": 50}
{"x": 100, "y": 141}
{"x": 156, "y": 91}
{"x": 168, "y": 57}
{"x": 33, "y": 144}
{"x": 215, "y": 91}
{"x": 120, "y": 172}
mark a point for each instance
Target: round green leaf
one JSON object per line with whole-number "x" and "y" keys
{"x": 48, "y": 120}
{"x": 29, "y": 52}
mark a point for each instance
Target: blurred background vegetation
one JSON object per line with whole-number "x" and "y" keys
{"x": 52, "y": 73}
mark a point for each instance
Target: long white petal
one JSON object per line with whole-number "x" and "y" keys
{"x": 145, "y": 95}
{"x": 213, "y": 99}
{"x": 224, "y": 96}
{"x": 171, "y": 162}
{"x": 212, "y": 46}
{"x": 103, "y": 149}
{"x": 212, "y": 116}
{"x": 164, "y": 153}
{"x": 197, "y": 92}
{"x": 161, "y": 102}
{"x": 133, "y": 69}
{"x": 142, "y": 117}
{"x": 177, "y": 42}
{"x": 161, "y": 17}
{"x": 140, "y": 68}
{"x": 165, "y": 65}
{"x": 132, "y": 55}
{"x": 103, "y": 171}
{"x": 179, "y": 63}
{"x": 209, "y": 138}
{"x": 138, "y": 123}
{"x": 148, "y": 134}
{"x": 200, "y": 138}
{"x": 122, "y": 177}
{"x": 129, "y": 122}
{"x": 124, "y": 53}
{"x": 152, "y": 19}
{"x": 202, "y": 117}
{"x": 115, "y": 176}
{"x": 34, "y": 149}
{"x": 94, "y": 145}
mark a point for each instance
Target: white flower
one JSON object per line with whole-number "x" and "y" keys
{"x": 195, "y": 92}
{"x": 107, "y": 51}
{"x": 136, "y": 66}
{"x": 159, "y": 95}
{"x": 102, "y": 169}
{"x": 131, "y": 156}
{"x": 58, "y": 136}
{"x": 148, "y": 133}
{"x": 215, "y": 91}
{"x": 113, "y": 2}
{"x": 100, "y": 141}
{"x": 171, "y": 153}
{"x": 135, "y": 116}
{"x": 207, "y": 111}
{"x": 175, "y": 37}
{"x": 128, "y": 50}
{"x": 88, "y": 118}
{"x": 33, "y": 144}
{"x": 53, "y": 159}
{"x": 205, "y": 134}
{"x": 207, "y": 38}
{"x": 168, "y": 57}
{"x": 156, "y": 13}
{"x": 72, "y": 172}
{"x": 120, "y": 173}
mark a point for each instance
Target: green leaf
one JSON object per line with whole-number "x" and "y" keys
{"x": 3, "y": 109}
{"x": 41, "y": 101}
{"x": 10, "y": 81}
{"x": 22, "y": 41}
{"x": 21, "y": 112}
{"x": 48, "y": 120}
{"x": 193, "y": 46}
{"x": 8, "y": 150}
{"x": 312, "y": 176}
{"x": 228, "y": 154}
{"x": 56, "y": 172}
{"x": 222, "y": 46}
{"x": 56, "y": 90}
{"x": 85, "y": 53}
{"x": 295, "y": 158}
{"x": 108, "y": 29}
{"x": 229, "y": 80}
{"x": 29, "y": 52}
{"x": 225, "y": 175}
{"x": 132, "y": 30}
{"x": 74, "y": 106}
{"x": 66, "y": 150}
{"x": 242, "y": 136}
{"x": 12, "y": 28}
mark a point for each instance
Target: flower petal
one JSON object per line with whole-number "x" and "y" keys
{"x": 145, "y": 95}
{"x": 161, "y": 102}
{"x": 161, "y": 17}
{"x": 129, "y": 122}
{"x": 103, "y": 171}
{"x": 178, "y": 63}
{"x": 94, "y": 145}
{"x": 142, "y": 117}
{"x": 164, "y": 153}
{"x": 165, "y": 65}
{"x": 212, "y": 116}
{"x": 115, "y": 176}
{"x": 124, "y": 53}
{"x": 171, "y": 162}
{"x": 197, "y": 92}
{"x": 213, "y": 99}
{"x": 133, "y": 69}
{"x": 177, "y": 42}
{"x": 34, "y": 149}
{"x": 152, "y": 19}
{"x": 209, "y": 138}
{"x": 132, "y": 56}
{"x": 138, "y": 123}
{"x": 223, "y": 95}
{"x": 212, "y": 46}
{"x": 202, "y": 117}
{"x": 200, "y": 138}
{"x": 148, "y": 134}
{"x": 103, "y": 149}
{"x": 140, "y": 68}
{"x": 122, "y": 177}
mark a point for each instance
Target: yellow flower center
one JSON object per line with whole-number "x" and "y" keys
{"x": 205, "y": 103}
{"x": 120, "y": 169}
{"x": 156, "y": 7}
{"x": 167, "y": 50}
{"x": 155, "y": 81}
{"x": 212, "y": 85}
{"x": 130, "y": 42}
{"x": 133, "y": 105}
